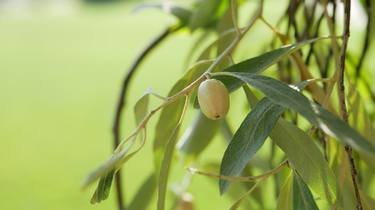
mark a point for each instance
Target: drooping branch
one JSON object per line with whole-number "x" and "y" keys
{"x": 122, "y": 101}
{"x": 341, "y": 87}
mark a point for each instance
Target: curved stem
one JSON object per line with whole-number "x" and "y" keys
{"x": 121, "y": 104}
{"x": 342, "y": 103}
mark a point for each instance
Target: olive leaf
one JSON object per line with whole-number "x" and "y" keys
{"x": 102, "y": 191}
{"x": 247, "y": 140}
{"x": 302, "y": 197}
{"x": 141, "y": 107}
{"x": 113, "y": 163}
{"x": 170, "y": 115}
{"x": 306, "y": 158}
{"x": 303, "y": 154}
{"x": 288, "y": 97}
{"x": 260, "y": 63}
{"x": 284, "y": 202}
{"x": 165, "y": 168}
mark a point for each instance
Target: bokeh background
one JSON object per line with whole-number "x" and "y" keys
{"x": 61, "y": 66}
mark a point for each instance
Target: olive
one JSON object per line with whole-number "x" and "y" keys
{"x": 213, "y": 98}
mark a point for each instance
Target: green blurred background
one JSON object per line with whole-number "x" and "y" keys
{"x": 61, "y": 66}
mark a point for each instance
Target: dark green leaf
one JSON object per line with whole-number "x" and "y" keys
{"x": 198, "y": 136}
{"x": 260, "y": 63}
{"x": 288, "y": 97}
{"x": 248, "y": 139}
{"x": 144, "y": 195}
{"x": 302, "y": 197}
{"x": 303, "y": 154}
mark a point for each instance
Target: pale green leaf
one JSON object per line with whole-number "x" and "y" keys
{"x": 112, "y": 164}
{"x": 165, "y": 168}
{"x": 284, "y": 202}
{"x": 170, "y": 115}
{"x": 306, "y": 158}
{"x": 141, "y": 108}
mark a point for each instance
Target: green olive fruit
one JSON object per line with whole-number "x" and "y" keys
{"x": 213, "y": 98}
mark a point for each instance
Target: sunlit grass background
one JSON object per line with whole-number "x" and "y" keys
{"x": 60, "y": 73}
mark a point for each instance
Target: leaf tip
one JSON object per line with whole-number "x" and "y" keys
{"x": 223, "y": 186}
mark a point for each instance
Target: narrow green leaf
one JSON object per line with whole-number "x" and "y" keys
{"x": 306, "y": 158}
{"x": 106, "y": 171}
{"x": 197, "y": 136}
{"x": 170, "y": 115}
{"x": 112, "y": 164}
{"x": 288, "y": 97}
{"x": 260, "y": 63}
{"x": 104, "y": 186}
{"x": 248, "y": 139}
{"x": 143, "y": 197}
{"x": 284, "y": 202}
{"x": 141, "y": 108}
{"x": 165, "y": 168}
{"x": 302, "y": 197}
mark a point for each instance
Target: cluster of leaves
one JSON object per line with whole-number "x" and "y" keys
{"x": 312, "y": 148}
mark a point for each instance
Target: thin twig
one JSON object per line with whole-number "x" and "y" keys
{"x": 344, "y": 112}
{"x": 241, "y": 178}
{"x": 121, "y": 104}
{"x": 219, "y": 59}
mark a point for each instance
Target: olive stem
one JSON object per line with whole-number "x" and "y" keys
{"x": 217, "y": 61}
{"x": 187, "y": 90}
